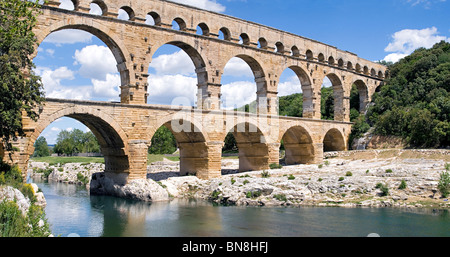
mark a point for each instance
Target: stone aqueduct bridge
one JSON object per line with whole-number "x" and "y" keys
{"x": 125, "y": 129}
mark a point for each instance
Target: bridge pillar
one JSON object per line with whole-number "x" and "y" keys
{"x": 274, "y": 153}
{"x": 208, "y": 97}
{"x": 299, "y": 154}
{"x": 201, "y": 159}
{"x": 253, "y": 156}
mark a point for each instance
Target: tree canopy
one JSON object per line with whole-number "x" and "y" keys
{"x": 76, "y": 141}
{"x": 20, "y": 89}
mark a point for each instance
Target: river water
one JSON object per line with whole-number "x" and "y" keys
{"x": 71, "y": 211}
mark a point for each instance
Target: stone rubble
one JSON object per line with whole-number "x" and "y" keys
{"x": 338, "y": 181}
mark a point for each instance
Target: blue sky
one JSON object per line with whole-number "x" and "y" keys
{"x": 77, "y": 65}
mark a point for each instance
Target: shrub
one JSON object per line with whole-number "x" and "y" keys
{"x": 245, "y": 182}
{"x": 83, "y": 179}
{"x": 14, "y": 224}
{"x": 253, "y": 194}
{"x": 384, "y": 189}
{"x": 444, "y": 184}
{"x": 320, "y": 166}
{"x": 447, "y": 166}
{"x": 402, "y": 185}
{"x": 348, "y": 174}
{"x": 280, "y": 197}
{"x": 291, "y": 177}
{"x": 274, "y": 166}
{"x": 320, "y": 179}
{"x": 341, "y": 178}
{"x": 265, "y": 174}
{"x": 233, "y": 181}
{"x": 327, "y": 163}
{"x": 389, "y": 171}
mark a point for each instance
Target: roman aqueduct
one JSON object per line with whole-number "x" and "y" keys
{"x": 125, "y": 129}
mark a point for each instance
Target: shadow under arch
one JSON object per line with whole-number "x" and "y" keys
{"x": 191, "y": 142}
{"x": 298, "y": 145}
{"x": 334, "y": 141}
{"x": 253, "y": 150}
{"x": 112, "y": 139}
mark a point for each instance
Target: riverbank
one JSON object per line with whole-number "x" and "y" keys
{"x": 376, "y": 178}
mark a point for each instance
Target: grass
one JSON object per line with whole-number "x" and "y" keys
{"x": 64, "y": 160}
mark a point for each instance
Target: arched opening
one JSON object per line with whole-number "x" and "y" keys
{"x": 358, "y": 68}
{"x": 298, "y": 146}
{"x": 295, "y": 93}
{"x": 98, "y": 7}
{"x": 321, "y": 57}
{"x": 262, "y": 43}
{"x": 80, "y": 62}
{"x": 309, "y": 55}
{"x": 295, "y": 51}
{"x": 330, "y": 60}
{"x": 341, "y": 63}
{"x": 244, "y": 39}
{"x": 240, "y": 84}
{"x": 89, "y": 137}
{"x": 152, "y": 18}
{"x": 179, "y": 24}
{"x": 126, "y": 13}
{"x": 366, "y": 70}
{"x": 279, "y": 47}
{"x": 71, "y": 5}
{"x": 183, "y": 141}
{"x": 373, "y": 73}
{"x": 333, "y": 141}
{"x": 224, "y": 34}
{"x": 203, "y": 29}
{"x": 175, "y": 72}
{"x": 250, "y": 142}
{"x": 359, "y": 97}
{"x": 349, "y": 66}
{"x": 332, "y": 99}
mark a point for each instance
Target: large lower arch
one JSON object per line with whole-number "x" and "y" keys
{"x": 253, "y": 149}
{"x": 299, "y": 146}
{"x": 112, "y": 139}
{"x": 334, "y": 141}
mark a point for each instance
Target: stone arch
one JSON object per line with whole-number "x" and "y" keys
{"x": 298, "y": 145}
{"x": 116, "y": 46}
{"x": 226, "y": 33}
{"x": 204, "y": 28}
{"x": 309, "y": 55}
{"x": 245, "y": 39}
{"x": 363, "y": 94}
{"x": 330, "y": 60}
{"x": 130, "y": 12}
{"x": 181, "y": 24}
{"x": 110, "y": 135}
{"x": 102, "y": 6}
{"x": 192, "y": 144}
{"x": 338, "y": 94}
{"x": 279, "y": 47}
{"x": 251, "y": 142}
{"x": 156, "y": 18}
{"x": 263, "y": 43}
{"x": 295, "y": 51}
{"x": 307, "y": 89}
{"x": 334, "y": 141}
{"x": 321, "y": 57}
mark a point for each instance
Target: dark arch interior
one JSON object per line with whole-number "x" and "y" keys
{"x": 298, "y": 146}
{"x": 333, "y": 141}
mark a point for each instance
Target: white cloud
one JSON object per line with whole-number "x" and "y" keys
{"x": 96, "y": 62}
{"x": 109, "y": 88}
{"x": 69, "y": 36}
{"x": 164, "y": 89}
{"x": 210, "y": 5}
{"x": 237, "y": 94}
{"x": 237, "y": 67}
{"x": 289, "y": 87}
{"x": 171, "y": 64}
{"x": 66, "y": 4}
{"x": 52, "y": 78}
{"x": 407, "y": 40}
{"x": 426, "y": 3}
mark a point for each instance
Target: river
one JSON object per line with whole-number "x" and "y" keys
{"x": 71, "y": 211}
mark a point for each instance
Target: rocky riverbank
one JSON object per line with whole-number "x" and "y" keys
{"x": 378, "y": 178}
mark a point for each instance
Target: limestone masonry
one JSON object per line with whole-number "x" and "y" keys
{"x": 125, "y": 129}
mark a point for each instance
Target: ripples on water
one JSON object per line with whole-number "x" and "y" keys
{"x": 71, "y": 210}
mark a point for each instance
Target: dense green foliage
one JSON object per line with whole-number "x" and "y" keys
{"x": 76, "y": 141}
{"x": 20, "y": 88}
{"x": 291, "y": 106}
{"x": 415, "y": 102}
{"x": 41, "y": 148}
{"x": 163, "y": 142}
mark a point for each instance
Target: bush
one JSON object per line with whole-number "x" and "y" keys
{"x": 402, "y": 185}
{"x": 83, "y": 179}
{"x": 389, "y": 171}
{"x": 291, "y": 177}
{"x": 444, "y": 184}
{"x": 274, "y": 166}
{"x": 348, "y": 174}
{"x": 253, "y": 194}
{"x": 265, "y": 174}
{"x": 384, "y": 189}
{"x": 280, "y": 197}
{"x": 14, "y": 224}
{"x": 341, "y": 179}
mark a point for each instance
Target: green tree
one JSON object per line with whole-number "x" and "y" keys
{"x": 20, "y": 88}
{"x": 163, "y": 142}
{"x": 41, "y": 148}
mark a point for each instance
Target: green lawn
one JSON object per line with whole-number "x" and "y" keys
{"x": 63, "y": 160}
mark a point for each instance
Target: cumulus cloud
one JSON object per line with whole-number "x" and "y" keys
{"x": 164, "y": 89}
{"x": 404, "y": 42}
{"x": 69, "y": 36}
{"x": 238, "y": 94}
{"x": 171, "y": 64}
{"x": 289, "y": 87}
{"x": 95, "y": 61}
{"x": 426, "y": 3}
{"x": 210, "y": 5}
{"x": 109, "y": 88}
{"x": 237, "y": 67}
